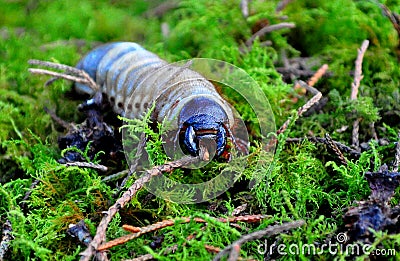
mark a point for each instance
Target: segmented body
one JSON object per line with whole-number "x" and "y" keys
{"x": 133, "y": 78}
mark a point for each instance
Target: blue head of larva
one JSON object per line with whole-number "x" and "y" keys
{"x": 204, "y": 124}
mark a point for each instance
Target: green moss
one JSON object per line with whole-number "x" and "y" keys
{"x": 303, "y": 181}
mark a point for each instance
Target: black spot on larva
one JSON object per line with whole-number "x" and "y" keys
{"x": 137, "y": 105}
{"x": 145, "y": 105}
{"x": 129, "y": 107}
{"x": 112, "y": 99}
{"x": 120, "y": 105}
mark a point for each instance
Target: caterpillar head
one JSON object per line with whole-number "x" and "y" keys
{"x": 204, "y": 124}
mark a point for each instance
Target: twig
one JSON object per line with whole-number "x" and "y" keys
{"x": 141, "y": 258}
{"x": 308, "y": 87}
{"x": 354, "y": 90}
{"x": 268, "y": 29}
{"x": 212, "y": 249}
{"x": 318, "y": 74}
{"x": 87, "y": 165}
{"x": 373, "y": 131}
{"x": 355, "y": 141}
{"x": 5, "y": 239}
{"x": 239, "y": 209}
{"x": 269, "y": 231}
{"x": 235, "y": 252}
{"x": 358, "y": 71}
{"x": 302, "y": 109}
{"x": 311, "y": 82}
{"x": 61, "y": 122}
{"x": 100, "y": 236}
{"x": 116, "y": 176}
{"x": 165, "y": 223}
{"x": 71, "y": 73}
{"x": 397, "y": 156}
{"x": 341, "y": 146}
{"x": 244, "y": 7}
{"x": 394, "y": 18}
{"x": 337, "y": 151}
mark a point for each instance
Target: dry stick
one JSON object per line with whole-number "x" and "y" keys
{"x": 235, "y": 252}
{"x": 71, "y": 73}
{"x": 397, "y": 156}
{"x": 318, "y": 74}
{"x": 354, "y": 89}
{"x": 116, "y": 176}
{"x": 268, "y": 29}
{"x": 341, "y": 146}
{"x": 373, "y": 131}
{"x": 337, "y": 151}
{"x": 355, "y": 140}
{"x": 313, "y": 80}
{"x": 392, "y": 17}
{"x": 302, "y": 109}
{"x": 244, "y": 7}
{"x": 358, "y": 71}
{"x": 141, "y": 258}
{"x": 269, "y": 231}
{"x": 87, "y": 165}
{"x": 100, "y": 236}
{"x": 61, "y": 122}
{"x": 165, "y": 223}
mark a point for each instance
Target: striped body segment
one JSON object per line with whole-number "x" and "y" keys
{"x": 133, "y": 78}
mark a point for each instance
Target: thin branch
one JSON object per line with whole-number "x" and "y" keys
{"x": 358, "y": 71}
{"x": 235, "y": 252}
{"x": 269, "y": 231}
{"x": 141, "y": 258}
{"x": 100, "y": 236}
{"x": 71, "y": 73}
{"x": 166, "y": 223}
{"x": 244, "y": 7}
{"x": 335, "y": 148}
{"x": 87, "y": 165}
{"x": 303, "y": 109}
{"x": 308, "y": 87}
{"x": 318, "y": 74}
{"x": 341, "y": 146}
{"x": 268, "y": 29}
{"x": 394, "y": 18}
{"x": 355, "y": 141}
{"x": 354, "y": 90}
{"x": 61, "y": 122}
{"x": 116, "y": 176}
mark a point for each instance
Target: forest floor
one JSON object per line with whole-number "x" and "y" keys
{"x": 321, "y": 179}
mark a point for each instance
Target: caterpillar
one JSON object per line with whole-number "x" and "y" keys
{"x": 132, "y": 79}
